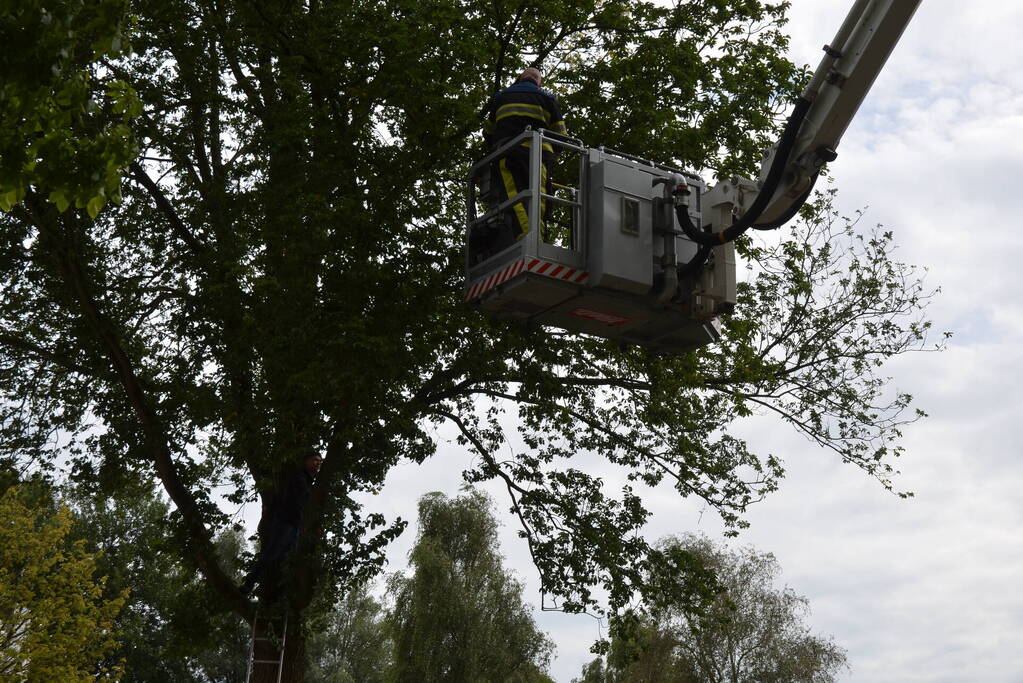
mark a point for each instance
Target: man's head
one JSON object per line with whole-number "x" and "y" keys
{"x": 311, "y": 463}
{"x": 531, "y": 74}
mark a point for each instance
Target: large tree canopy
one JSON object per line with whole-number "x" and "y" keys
{"x": 284, "y": 273}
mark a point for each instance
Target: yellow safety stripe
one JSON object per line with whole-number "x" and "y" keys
{"x": 509, "y": 188}
{"x": 533, "y": 111}
{"x": 546, "y": 146}
{"x": 559, "y": 127}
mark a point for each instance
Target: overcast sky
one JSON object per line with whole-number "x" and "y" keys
{"x": 926, "y": 589}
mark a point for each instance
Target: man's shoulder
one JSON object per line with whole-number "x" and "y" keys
{"x": 527, "y": 87}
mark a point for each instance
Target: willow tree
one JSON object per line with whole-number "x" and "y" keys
{"x": 460, "y": 615}
{"x": 751, "y": 632}
{"x": 283, "y": 272}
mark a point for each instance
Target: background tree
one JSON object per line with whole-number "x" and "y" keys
{"x": 172, "y": 627}
{"x": 55, "y": 623}
{"x": 460, "y": 615}
{"x": 351, "y": 641}
{"x": 752, "y": 632}
{"x": 285, "y": 274}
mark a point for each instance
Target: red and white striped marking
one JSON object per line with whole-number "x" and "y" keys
{"x": 546, "y": 268}
{"x": 600, "y": 316}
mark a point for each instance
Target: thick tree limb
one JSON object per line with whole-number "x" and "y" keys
{"x": 200, "y": 544}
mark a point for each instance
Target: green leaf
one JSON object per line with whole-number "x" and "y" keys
{"x": 95, "y": 205}
{"x": 60, "y": 199}
{"x": 8, "y": 200}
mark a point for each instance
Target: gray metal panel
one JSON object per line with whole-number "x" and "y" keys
{"x": 527, "y": 295}
{"x": 672, "y": 331}
{"x": 619, "y": 260}
{"x": 602, "y": 313}
{"x": 514, "y": 252}
{"x": 561, "y": 255}
{"x": 605, "y": 314}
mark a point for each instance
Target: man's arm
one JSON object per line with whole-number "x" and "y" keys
{"x": 557, "y": 120}
{"x": 490, "y": 120}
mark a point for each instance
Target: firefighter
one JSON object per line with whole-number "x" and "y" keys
{"x": 523, "y": 104}
{"x": 287, "y": 513}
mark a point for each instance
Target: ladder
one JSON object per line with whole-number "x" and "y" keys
{"x": 266, "y": 649}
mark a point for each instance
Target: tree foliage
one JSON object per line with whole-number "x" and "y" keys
{"x": 172, "y": 626}
{"x": 285, "y": 273}
{"x": 351, "y": 641}
{"x": 460, "y": 616}
{"x": 55, "y": 623}
{"x": 752, "y": 632}
{"x": 65, "y": 131}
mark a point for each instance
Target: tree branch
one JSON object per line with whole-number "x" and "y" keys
{"x": 44, "y": 354}
{"x": 166, "y": 208}
{"x": 75, "y": 275}
{"x": 509, "y": 483}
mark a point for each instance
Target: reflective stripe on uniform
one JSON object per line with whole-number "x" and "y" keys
{"x": 509, "y": 188}
{"x": 533, "y": 111}
{"x": 545, "y": 146}
{"x": 559, "y": 127}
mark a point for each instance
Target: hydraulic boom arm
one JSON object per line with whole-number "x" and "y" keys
{"x": 823, "y": 112}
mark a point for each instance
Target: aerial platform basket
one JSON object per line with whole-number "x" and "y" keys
{"x": 606, "y": 257}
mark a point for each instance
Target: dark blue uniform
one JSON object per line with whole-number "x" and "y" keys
{"x": 511, "y": 110}
{"x": 282, "y": 533}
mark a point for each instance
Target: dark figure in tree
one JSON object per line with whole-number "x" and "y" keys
{"x": 281, "y": 533}
{"x": 510, "y": 111}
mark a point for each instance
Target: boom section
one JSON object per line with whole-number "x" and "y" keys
{"x": 850, "y": 65}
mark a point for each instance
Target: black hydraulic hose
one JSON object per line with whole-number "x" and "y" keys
{"x": 703, "y": 253}
{"x": 695, "y": 263}
{"x": 791, "y": 211}
{"x": 771, "y": 182}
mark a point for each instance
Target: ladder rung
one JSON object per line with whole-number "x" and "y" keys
{"x": 266, "y": 661}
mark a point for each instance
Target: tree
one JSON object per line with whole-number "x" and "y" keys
{"x": 460, "y": 616}
{"x": 351, "y": 643}
{"x": 285, "y": 274}
{"x": 172, "y": 626}
{"x": 751, "y": 633}
{"x": 55, "y": 624}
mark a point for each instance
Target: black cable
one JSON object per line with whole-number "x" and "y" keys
{"x": 703, "y": 253}
{"x": 695, "y": 263}
{"x": 771, "y": 182}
